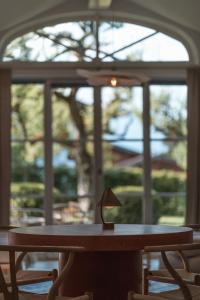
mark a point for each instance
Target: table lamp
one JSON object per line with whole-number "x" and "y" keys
{"x": 108, "y": 199}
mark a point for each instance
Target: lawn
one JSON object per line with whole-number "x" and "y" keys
{"x": 171, "y": 220}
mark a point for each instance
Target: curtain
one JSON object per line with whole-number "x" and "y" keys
{"x": 5, "y": 153}
{"x": 193, "y": 156}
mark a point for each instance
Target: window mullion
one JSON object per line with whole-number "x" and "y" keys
{"x": 98, "y": 177}
{"x": 147, "y": 200}
{"x": 48, "y": 145}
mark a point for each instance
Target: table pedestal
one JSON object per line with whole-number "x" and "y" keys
{"x": 108, "y": 275}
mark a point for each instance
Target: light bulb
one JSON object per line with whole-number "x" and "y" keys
{"x": 113, "y": 82}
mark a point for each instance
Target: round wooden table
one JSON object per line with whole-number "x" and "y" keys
{"x": 112, "y": 263}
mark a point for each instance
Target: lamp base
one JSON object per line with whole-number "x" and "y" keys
{"x": 108, "y": 226}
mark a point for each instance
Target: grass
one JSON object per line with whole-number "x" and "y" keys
{"x": 171, "y": 220}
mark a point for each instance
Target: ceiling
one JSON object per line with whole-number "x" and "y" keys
{"x": 23, "y": 10}
{"x": 184, "y": 12}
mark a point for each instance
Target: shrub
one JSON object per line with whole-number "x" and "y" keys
{"x": 168, "y": 181}
{"x": 131, "y": 198}
{"x": 120, "y": 177}
{"x": 29, "y": 194}
{"x": 65, "y": 180}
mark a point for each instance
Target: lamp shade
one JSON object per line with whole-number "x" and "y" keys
{"x": 109, "y": 199}
{"x": 105, "y": 77}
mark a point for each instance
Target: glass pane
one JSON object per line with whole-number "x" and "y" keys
{"x": 130, "y": 212}
{"x": 172, "y": 156}
{"x": 122, "y": 165}
{"x": 27, "y": 132}
{"x": 73, "y": 154}
{"x": 116, "y": 35}
{"x": 76, "y": 41}
{"x": 73, "y": 180}
{"x": 169, "y": 209}
{"x": 129, "y": 43}
{"x": 159, "y": 47}
{"x": 123, "y": 172}
{"x": 72, "y": 113}
{"x": 27, "y": 186}
{"x": 169, "y": 183}
{"x": 27, "y": 112}
{"x": 122, "y": 113}
{"x": 168, "y": 111}
{"x": 123, "y": 151}
{"x": 73, "y": 41}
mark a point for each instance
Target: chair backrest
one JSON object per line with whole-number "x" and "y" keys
{"x": 13, "y": 250}
{"x": 134, "y": 296}
{"x": 4, "y": 257}
{"x": 178, "y": 248}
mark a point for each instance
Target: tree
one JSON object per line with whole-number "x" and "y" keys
{"x": 169, "y": 117}
{"x": 61, "y": 43}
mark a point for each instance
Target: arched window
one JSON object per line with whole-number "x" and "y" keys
{"x": 132, "y": 138}
{"x": 90, "y": 40}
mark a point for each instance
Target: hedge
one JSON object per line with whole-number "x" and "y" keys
{"x": 127, "y": 184}
{"x": 131, "y": 198}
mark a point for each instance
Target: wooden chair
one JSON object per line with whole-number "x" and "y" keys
{"x": 186, "y": 291}
{"x": 12, "y": 292}
{"x": 24, "y": 277}
{"x": 134, "y": 296}
{"x": 163, "y": 275}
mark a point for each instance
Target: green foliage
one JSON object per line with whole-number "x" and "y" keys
{"x": 169, "y": 117}
{"x": 22, "y": 171}
{"x": 131, "y": 198}
{"x": 131, "y": 209}
{"x": 162, "y": 180}
{"x": 71, "y": 41}
{"x": 27, "y": 112}
{"x": 29, "y": 194}
{"x": 127, "y": 184}
{"x": 24, "y": 51}
{"x": 168, "y": 181}
{"x": 122, "y": 177}
{"x": 173, "y": 206}
{"x": 65, "y": 180}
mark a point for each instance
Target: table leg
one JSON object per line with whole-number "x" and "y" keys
{"x": 108, "y": 275}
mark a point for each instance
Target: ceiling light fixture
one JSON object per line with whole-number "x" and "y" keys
{"x": 113, "y": 81}
{"x": 113, "y": 78}
{"x": 99, "y": 4}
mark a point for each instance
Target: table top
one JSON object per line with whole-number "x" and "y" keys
{"x": 124, "y": 237}
{"x": 3, "y": 237}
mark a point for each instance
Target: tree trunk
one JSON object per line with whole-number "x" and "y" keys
{"x": 82, "y": 156}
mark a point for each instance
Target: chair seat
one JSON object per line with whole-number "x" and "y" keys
{"x": 30, "y": 276}
{"x": 25, "y": 296}
{"x": 146, "y": 297}
{"x": 164, "y": 276}
{"x": 29, "y": 296}
{"x": 178, "y": 295}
